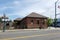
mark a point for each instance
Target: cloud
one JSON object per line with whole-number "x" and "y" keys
{"x": 35, "y": 6}
{"x": 18, "y": 8}
{"x": 16, "y": 3}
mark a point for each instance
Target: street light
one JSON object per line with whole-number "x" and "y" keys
{"x": 4, "y": 21}
{"x": 55, "y": 14}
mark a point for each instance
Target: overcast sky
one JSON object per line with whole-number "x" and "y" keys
{"x": 20, "y": 8}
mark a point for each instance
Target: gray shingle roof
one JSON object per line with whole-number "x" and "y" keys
{"x": 33, "y": 14}
{"x": 18, "y": 19}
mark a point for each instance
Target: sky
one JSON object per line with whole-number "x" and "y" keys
{"x": 21, "y": 8}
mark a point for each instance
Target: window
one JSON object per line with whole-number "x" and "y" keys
{"x": 37, "y": 21}
{"x": 31, "y": 21}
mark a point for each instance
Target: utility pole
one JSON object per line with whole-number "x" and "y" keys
{"x": 55, "y": 14}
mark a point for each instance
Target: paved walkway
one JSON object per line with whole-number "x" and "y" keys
{"x": 29, "y": 29}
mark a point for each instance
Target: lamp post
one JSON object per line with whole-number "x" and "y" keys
{"x": 55, "y": 14}
{"x": 4, "y": 25}
{"x": 4, "y": 22}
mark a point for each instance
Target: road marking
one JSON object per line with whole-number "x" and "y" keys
{"x": 30, "y": 36}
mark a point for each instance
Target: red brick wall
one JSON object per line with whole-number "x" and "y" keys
{"x": 35, "y": 25}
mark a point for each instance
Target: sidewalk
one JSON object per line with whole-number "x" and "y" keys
{"x": 15, "y": 30}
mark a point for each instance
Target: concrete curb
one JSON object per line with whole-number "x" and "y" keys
{"x": 27, "y": 30}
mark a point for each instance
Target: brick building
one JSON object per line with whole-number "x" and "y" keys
{"x": 33, "y": 20}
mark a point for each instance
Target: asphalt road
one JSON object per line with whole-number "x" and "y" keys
{"x": 31, "y": 35}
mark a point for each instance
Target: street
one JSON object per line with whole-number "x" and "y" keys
{"x": 31, "y": 35}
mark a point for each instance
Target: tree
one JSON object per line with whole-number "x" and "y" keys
{"x": 0, "y": 20}
{"x": 49, "y": 21}
{"x": 0, "y": 23}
